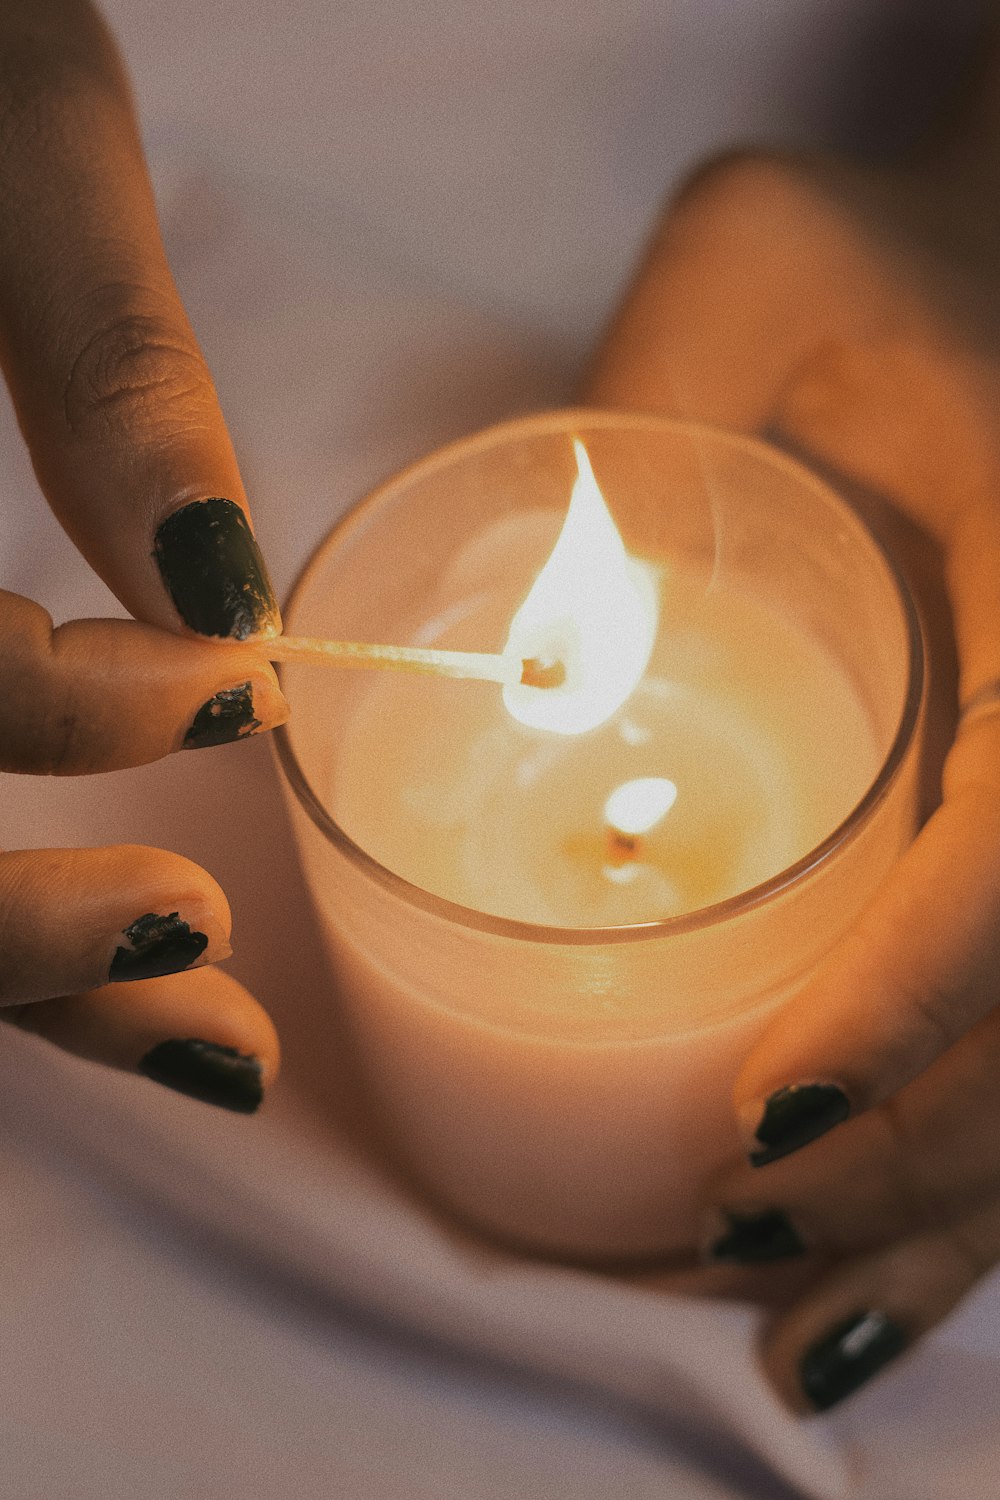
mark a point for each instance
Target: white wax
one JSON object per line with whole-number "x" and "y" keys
{"x": 576, "y": 1096}
{"x": 758, "y": 728}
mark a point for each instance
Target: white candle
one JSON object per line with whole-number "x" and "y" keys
{"x": 550, "y": 1070}
{"x": 511, "y": 820}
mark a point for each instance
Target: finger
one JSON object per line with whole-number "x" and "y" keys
{"x": 201, "y": 1034}
{"x": 926, "y": 1158}
{"x": 911, "y": 416}
{"x": 873, "y": 1309}
{"x": 914, "y": 974}
{"x": 111, "y": 389}
{"x": 71, "y": 919}
{"x": 754, "y": 277}
{"x": 99, "y": 695}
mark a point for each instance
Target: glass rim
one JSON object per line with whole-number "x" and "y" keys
{"x": 704, "y": 916}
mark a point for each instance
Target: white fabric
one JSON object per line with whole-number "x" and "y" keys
{"x": 391, "y": 224}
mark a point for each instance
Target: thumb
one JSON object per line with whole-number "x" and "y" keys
{"x": 754, "y": 280}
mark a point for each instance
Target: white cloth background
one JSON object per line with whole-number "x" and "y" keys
{"x": 392, "y": 224}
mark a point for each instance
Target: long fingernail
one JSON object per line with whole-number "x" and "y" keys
{"x": 850, "y": 1354}
{"x": 233, "y": 715}
{"x": 207, "y": 1071}
{"x": 159, "y": 944}
{"x": 794, "y": 1116}
{"x": 214, "y": 572}
{"x": 755, "y": 1237}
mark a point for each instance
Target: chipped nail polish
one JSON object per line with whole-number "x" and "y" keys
{"x": 156, "y": 945}
{"x": 796, "y": 1115}
{"x": 756, "y": 1237}
{"x": 214, "y": 571}
{"x": 226, "y": 717}
{"x": 207, "y": 1071}
{"x": 848, "y": 1356}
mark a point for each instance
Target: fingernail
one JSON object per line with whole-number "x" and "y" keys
{"x": 214, "y": 571}
{"x": 206, "y": 1071}
{"x": 156, "y": 945}
{"x": 848, "y": 1356}
{"x": 232, "y": 715}
{"x": 754, "y": 1238}
{"x": 794, "y": 1116}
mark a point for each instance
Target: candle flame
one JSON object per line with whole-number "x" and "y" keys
{"x": 637, "y": 806}
{"x": 593, "y": 608}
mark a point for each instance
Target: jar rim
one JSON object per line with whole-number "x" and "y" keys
{"x": 718, "y": 912}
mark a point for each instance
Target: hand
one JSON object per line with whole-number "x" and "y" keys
{"x": 853, "y": 313}
{"x": 119, "y": 412}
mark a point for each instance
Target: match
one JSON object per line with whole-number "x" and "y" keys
{"x": 474, "y": 666}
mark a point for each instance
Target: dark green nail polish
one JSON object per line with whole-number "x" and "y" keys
{"x": 755, "y": 1238}
{"x": 849, "y": 1355}
{"x": 226, "y": 717}
{"x": 795, "y": 1116}
{"x": 214, "y": 571}
{"x": 156, "y": 945}
{"x": 206, "y": 1071}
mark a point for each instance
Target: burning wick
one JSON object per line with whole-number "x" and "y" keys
{"x": 593, "y": 609}
{"x": 541, "y": 673}
{"x": 634, "y": 809}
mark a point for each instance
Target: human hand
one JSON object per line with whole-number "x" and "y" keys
{"x": 128, "y": 442}
{"x": 854, "y": 314}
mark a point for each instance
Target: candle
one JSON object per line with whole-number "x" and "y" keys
{"x": 500, "y": 803}
{"x": 559, "y": 916}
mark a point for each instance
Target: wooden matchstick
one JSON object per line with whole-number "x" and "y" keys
{"x": 476, "y": 666}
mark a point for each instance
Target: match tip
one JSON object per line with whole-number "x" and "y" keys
{"x": 542, "y": 674}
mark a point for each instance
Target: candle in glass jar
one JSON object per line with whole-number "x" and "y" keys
{"x": 500, "y": 803}
{"x": 554, "y": 947}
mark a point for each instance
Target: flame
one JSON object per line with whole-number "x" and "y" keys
{"x": 637, "y": 806}
{"x": 592, "y": 607}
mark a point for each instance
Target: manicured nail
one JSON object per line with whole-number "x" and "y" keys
{"x": 157, "y": 945}
{"x": 232, "y": 715}
{"x": 214, "y": 571}
{"x": 848, "y": 1356}
{"x": 794, "y": 1116}
{"x": 756, "y": 1237}
{"x": 206, "y": 1071}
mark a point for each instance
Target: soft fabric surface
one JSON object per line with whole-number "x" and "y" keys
{"x": 391, "y": 225}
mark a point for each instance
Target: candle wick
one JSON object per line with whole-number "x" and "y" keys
{"x": 541, "y": 672}
{"x": 622, "y": 848}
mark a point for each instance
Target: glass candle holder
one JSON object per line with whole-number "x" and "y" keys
{"x": 559, "y": 1082}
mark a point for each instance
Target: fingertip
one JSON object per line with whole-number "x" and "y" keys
{"x": 161, "y": 943}
{"x": 835, "y": 1358}
{"x": 171, "y": 881}
{"x": 254, "y": 706}
{"x": 206, "y": 1071}
{"x": 789, "y": 1118}
{"x": 214, "y": 571}
{"x": 199, "y": 1033}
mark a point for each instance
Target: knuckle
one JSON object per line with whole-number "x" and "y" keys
{"x": 924, "y": 1196}
{"x": 136, "y": 370}
{"x": 43, "y": 729}
{"x": 27, "y": 883}
{"x": 737, "y": 183}
{"x": 974, "y": 1248}
{"x": 936, "y": 1018}
{"x": 48, "y": 736}
{"x": 60, "y": 735}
